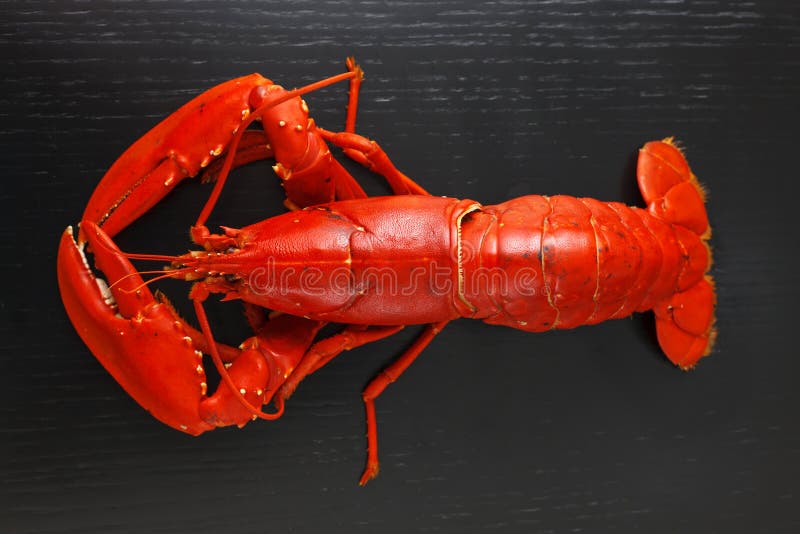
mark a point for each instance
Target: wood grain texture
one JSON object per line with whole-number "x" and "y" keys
{"x": 587, "y": 430}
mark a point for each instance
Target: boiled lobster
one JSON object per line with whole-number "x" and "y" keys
{"x": 371, "y": 264}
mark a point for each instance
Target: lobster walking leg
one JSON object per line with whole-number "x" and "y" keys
{"x": 369, "y": 154}
{"x": 379, "y": 384}
{"x": 325, "y": 350}
{"x": 353, "y": 93}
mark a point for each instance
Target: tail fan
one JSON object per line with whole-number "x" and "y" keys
{"x": 684, "y": 320}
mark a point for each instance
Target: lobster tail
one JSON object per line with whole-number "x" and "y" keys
{"x": 685, "y": 319}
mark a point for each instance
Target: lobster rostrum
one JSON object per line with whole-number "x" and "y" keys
{"x": 371, "y": 264}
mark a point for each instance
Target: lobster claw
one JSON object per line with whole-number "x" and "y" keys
{"x": 139, "y": 340}
{"x": 177, "y": 148}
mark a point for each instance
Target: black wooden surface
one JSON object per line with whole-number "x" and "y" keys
{"x": 588, "y": 430}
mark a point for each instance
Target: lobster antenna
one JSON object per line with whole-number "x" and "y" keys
{"x": 163, "y": 274}
{"x": 133, "y": 255}
{"x": 226, "y": 166}
{"x": 149, "y": 257}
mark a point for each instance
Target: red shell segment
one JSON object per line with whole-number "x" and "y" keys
{"x": 503, "y": 270}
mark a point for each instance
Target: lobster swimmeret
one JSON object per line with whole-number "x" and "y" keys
{"x": 373, "y": 264}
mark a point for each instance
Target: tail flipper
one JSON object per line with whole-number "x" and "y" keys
{"x": 685, "y": 320}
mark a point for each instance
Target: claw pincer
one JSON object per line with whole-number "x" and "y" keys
{"x": 139, "y": 340}
{"x": 158, "y": 358}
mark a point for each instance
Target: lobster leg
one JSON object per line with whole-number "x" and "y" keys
{"x": 368, "y": 153}
{"x": 365, "y": 151}
{"x": 353, "y": 336}
{"x": 355, "y": 89}
{"x": 326, "y": 349}
{"x": 379, "y": 384}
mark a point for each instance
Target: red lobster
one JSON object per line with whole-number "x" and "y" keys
{"x": 372, "y": 264}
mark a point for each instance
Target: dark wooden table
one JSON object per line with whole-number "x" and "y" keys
{"x": 588, "y": 430}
